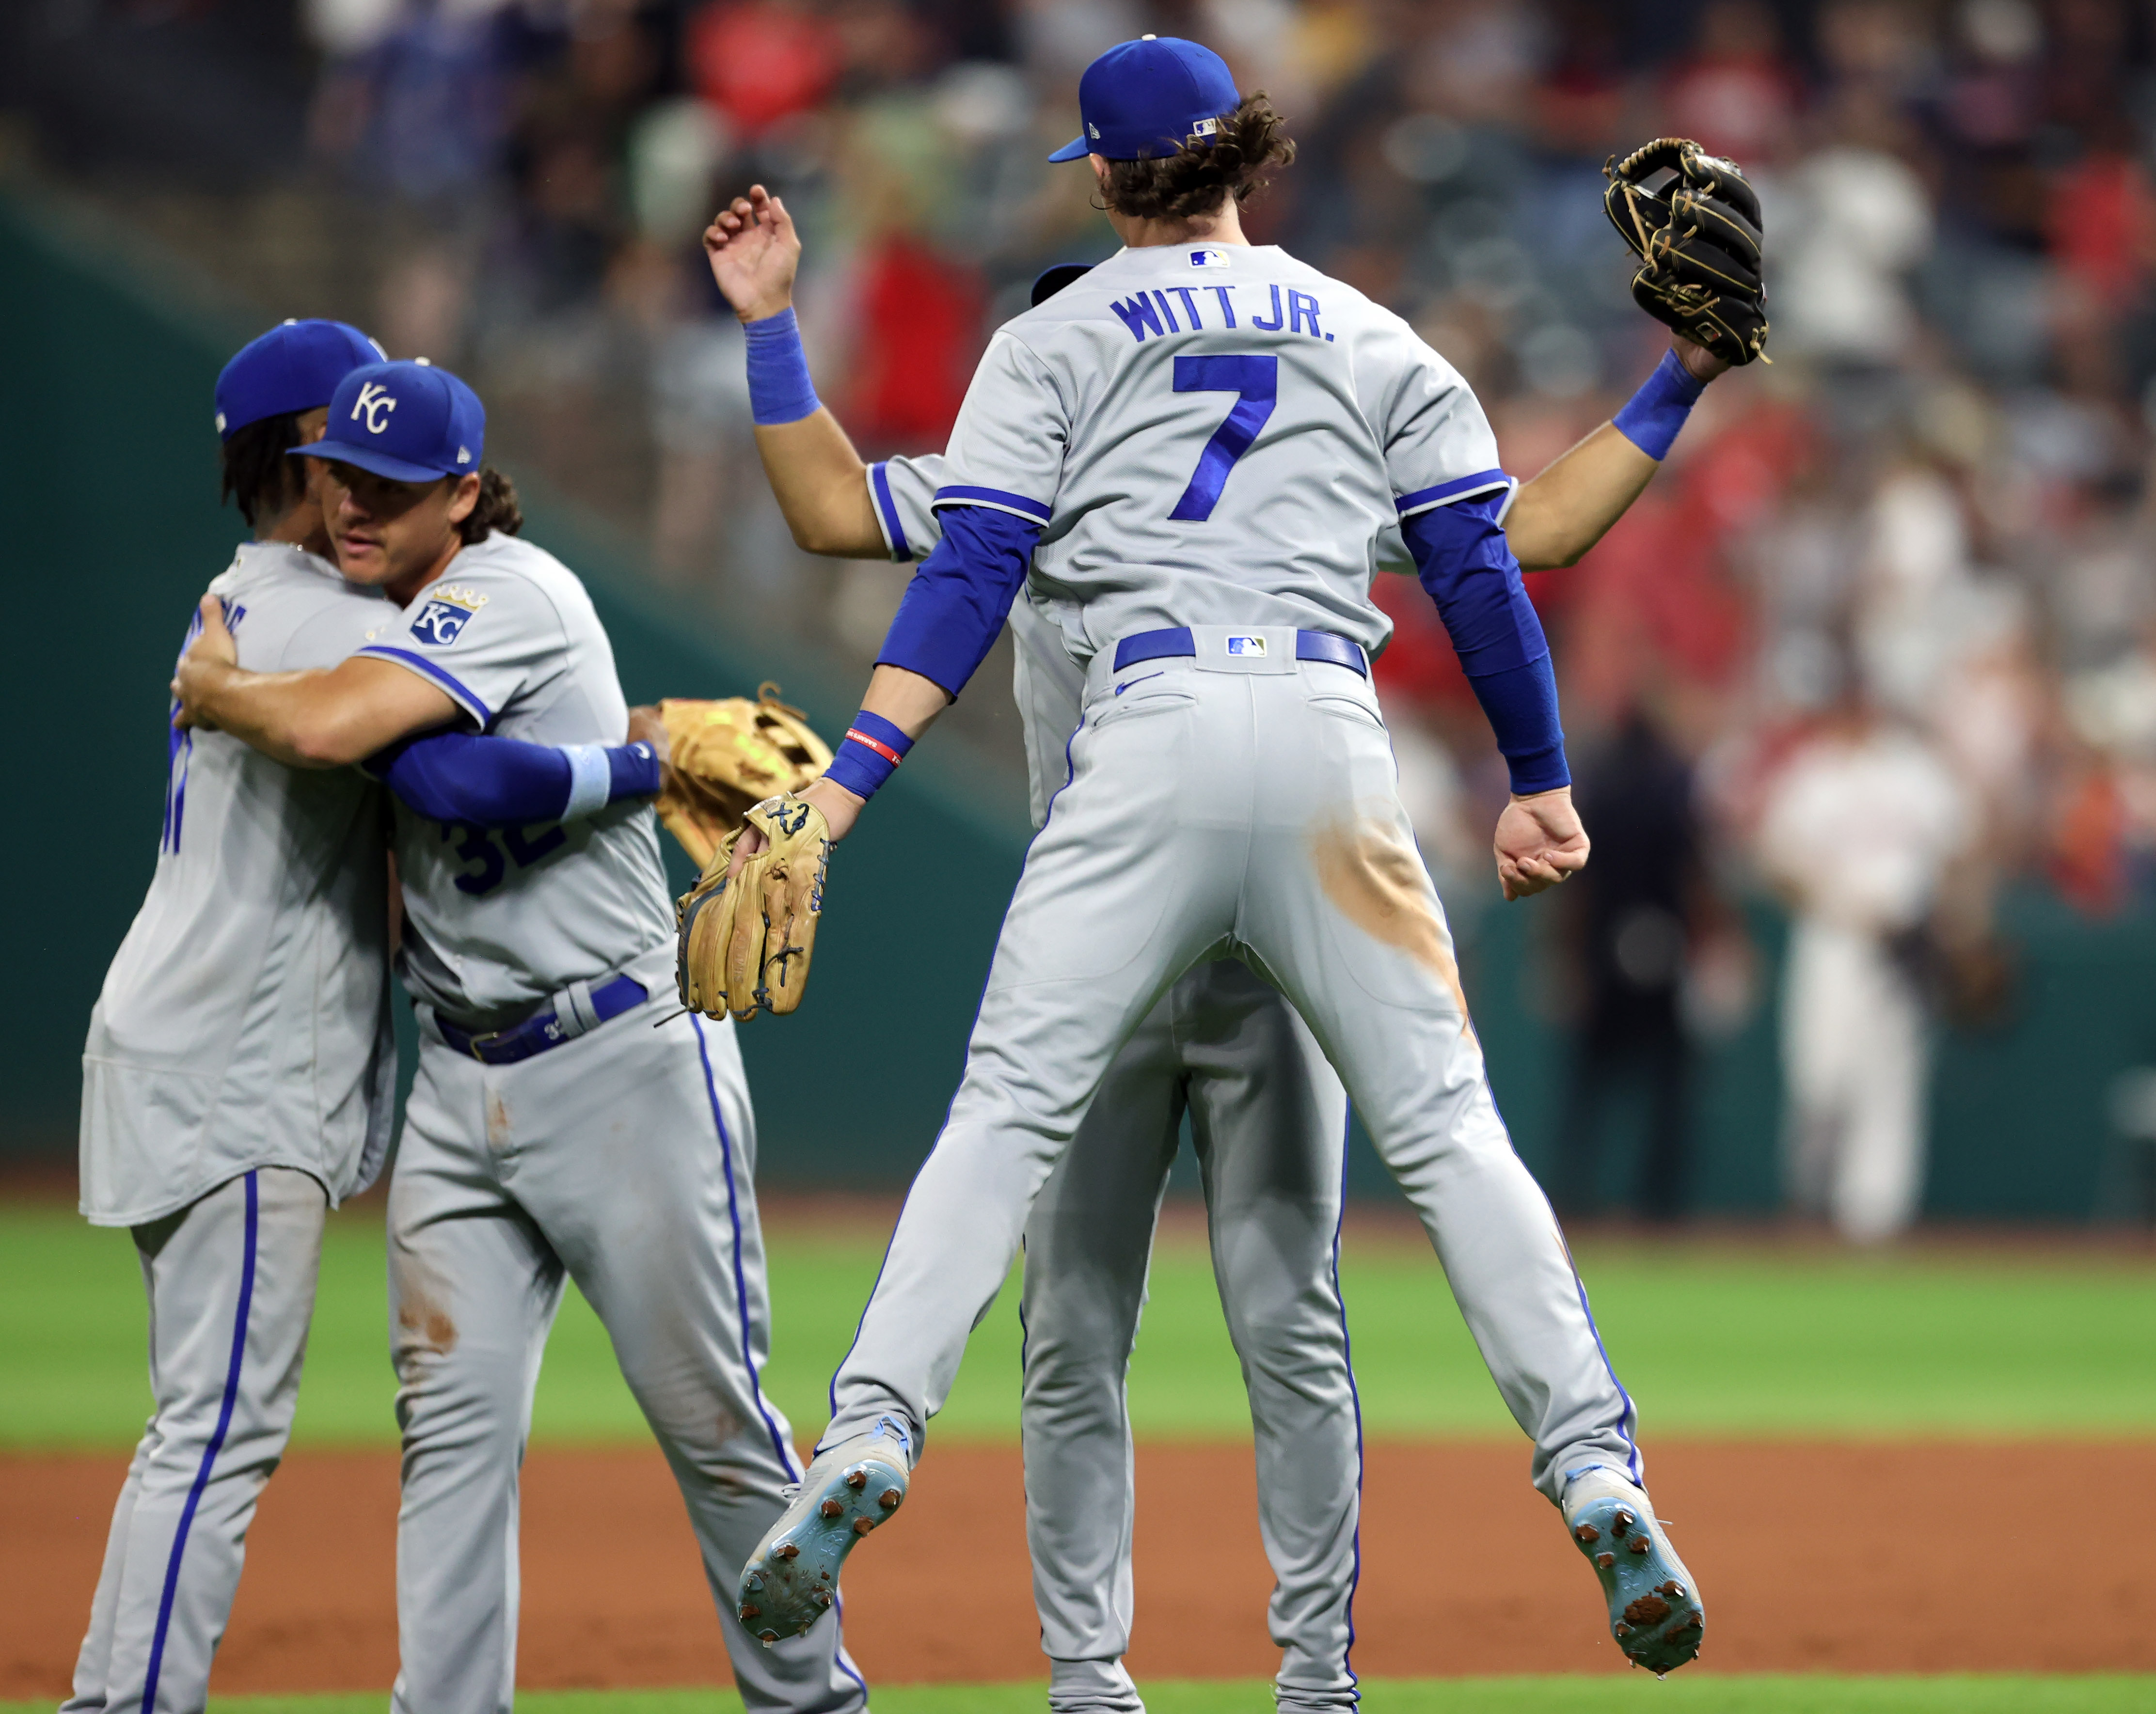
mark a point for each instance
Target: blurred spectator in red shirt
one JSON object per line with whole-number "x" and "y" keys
{"x": 2102, "y": 224}
{"x": 917, "y": 339}
{"x": 1737, "y": 94}
{"x": 761, "y": 61}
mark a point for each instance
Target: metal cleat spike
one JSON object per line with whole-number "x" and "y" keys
{"x": 832, "y": 1508}
{"x": 1587, "y": 1533}
{"x": 889, "y": 1499}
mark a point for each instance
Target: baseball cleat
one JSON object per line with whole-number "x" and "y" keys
{"x": 1655, "y": 1610}
{"x": 792, "y": 1579}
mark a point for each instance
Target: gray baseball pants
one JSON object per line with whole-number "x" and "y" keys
{"x": 1243, "y": 804}
{"x": 1268, "y": 1119}
{"x": 624, "y": 1159}
{"x": 231, "y": 1283}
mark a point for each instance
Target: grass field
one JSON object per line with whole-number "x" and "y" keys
{"x": 1684, "y": 1693}
{"x": 1718, "y": 1339}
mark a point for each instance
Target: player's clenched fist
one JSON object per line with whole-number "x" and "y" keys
{"x": 754, "y": 251}
{"x": 1540, "y": 841}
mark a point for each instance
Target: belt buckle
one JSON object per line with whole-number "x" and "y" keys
{"x": 476, "y": 1042}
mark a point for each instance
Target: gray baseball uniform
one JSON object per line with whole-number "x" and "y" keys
{"x": 237, "y": 1081}
{"x": 1269, "y": 1118}
{"x": 1214, "y": 439}
{"x": 619, "y": 1154}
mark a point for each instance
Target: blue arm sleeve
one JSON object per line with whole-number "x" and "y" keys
{"x": 1468, "y": 568}
{"x": 463, "y": 777}
{"x": 961, "y": 596}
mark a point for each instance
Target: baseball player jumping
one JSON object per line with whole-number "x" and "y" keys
{"x": 553, "y": 1131}
{"x": 1268, "y": 1113}
{"x": 1195, "y": 450}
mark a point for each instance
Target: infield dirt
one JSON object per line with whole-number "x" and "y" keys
{"x": 1853, "y": 1557}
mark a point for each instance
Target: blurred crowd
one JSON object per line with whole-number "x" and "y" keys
{"x": 1881, "y": 636}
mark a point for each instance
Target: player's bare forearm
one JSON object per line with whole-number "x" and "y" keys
{"x": 1571, "y": 505}
{"x": 316, "y": 719}
{"x": 821, "y": 486}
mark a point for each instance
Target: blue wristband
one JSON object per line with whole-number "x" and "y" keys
{"x": 870, "y": 754}
{"x": 1652, "y": 416}
{"x": 779, "y": 389}
{"x": 632, "y": 771}
{"x": 600, "y": 774}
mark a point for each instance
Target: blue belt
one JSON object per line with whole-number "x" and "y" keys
{"x": 1309, "y": 645}
{"x": 546, "y": 1027}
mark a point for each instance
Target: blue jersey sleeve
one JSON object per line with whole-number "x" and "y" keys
{"x": 464, "y": 777}
{"x": 959, "y": 598}
{"x": 1466, "y": 565}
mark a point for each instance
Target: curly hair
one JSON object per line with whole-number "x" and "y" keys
{"x": 1199, "y": 177}
{"x": 497, "y": 509}
{"x": 255, "y": 471}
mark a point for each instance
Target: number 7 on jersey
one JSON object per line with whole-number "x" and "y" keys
{"x": 1256, "y": 381}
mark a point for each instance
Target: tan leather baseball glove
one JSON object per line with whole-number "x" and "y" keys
{"x": 745, "y": 941}
{"x": 723, "y": 755}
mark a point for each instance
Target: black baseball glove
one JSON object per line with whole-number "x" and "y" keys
{"x": 1694, "y": 224}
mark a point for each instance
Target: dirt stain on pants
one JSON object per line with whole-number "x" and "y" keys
{"x": 1375, "y": 878}
{"x": 423, "y": 1321}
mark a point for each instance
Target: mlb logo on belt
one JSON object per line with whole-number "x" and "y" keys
{"x": 443, "y": 619}
{"x": 1246, "y": 645}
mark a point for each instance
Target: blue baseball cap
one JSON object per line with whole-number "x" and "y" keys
{"x": 409, "y": 422}
{"x": 294, "y": 367}
{"x": 1147, "y": 97}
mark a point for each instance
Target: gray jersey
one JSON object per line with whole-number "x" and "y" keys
{"x": 245, "y": 1021}
{"x": 1048, "y": 684}
{"x": 497, "y": 922}
{"x": 1184, "y": 415}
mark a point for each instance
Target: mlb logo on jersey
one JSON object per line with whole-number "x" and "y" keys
{"x": 1208, "y": 259}
{"x": 443, "y": 619}
{"x": 1246, "y": 645}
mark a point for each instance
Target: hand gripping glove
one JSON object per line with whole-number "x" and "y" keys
{"x": 745, "y": 941}
{"x": 723, "y": 755}
{"x": 1697, "y": 236}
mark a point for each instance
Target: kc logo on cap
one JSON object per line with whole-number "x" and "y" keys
{"x": 408, "y": 422}
{"x": 373, "y": 404}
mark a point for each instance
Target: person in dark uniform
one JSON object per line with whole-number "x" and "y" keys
{"x": 1631, "y": 908}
